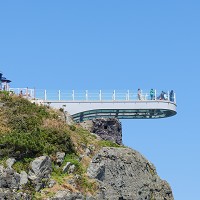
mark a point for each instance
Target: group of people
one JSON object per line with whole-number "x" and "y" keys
{"x": 21, "y": 94}
{"x": 162, "y": 96}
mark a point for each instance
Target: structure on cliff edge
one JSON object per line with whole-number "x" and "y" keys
{"x": 4, "y": 83}
{"x": 87, "y": 105}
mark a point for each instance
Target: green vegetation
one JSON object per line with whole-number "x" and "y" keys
{"x": 86, "y": 185}
{"x": 28, "y": 130}
{"x": 58, "y": 174}
{"x": 106, "y": 143}
{"x": 29, "y": 135}
{"x": 74, "y": 160}
{"x": 22, "y": 145}
{"x": 22, "y": 165}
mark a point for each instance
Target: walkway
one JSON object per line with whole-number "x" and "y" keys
{"x": 120, "y": 104}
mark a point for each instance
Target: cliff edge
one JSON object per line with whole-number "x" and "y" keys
{"x": 43, "y": 157}
{"x": 123, "y": 173}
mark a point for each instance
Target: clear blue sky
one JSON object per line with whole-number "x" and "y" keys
{"x": 116, "y": 45}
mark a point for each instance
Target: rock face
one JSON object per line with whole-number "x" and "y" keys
{"x": 108, "y": 129}
{"x": 8, "y": 194}
{"x": 125, "y": 174}
{"x": 40, "y": 172}
{"x": 9, "y": 184}
{"x": 67, "y": 195}
{"x": 9, "y": 178}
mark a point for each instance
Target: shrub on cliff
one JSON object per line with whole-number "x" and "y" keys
{"x": 23, "y": 115}
{"x": 29, "y": 137}
{"x": 22, "y": 144}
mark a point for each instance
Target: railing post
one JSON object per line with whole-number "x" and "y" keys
{"x": 73, "y": 95}
{"x": 168, "y": 96}
{"x": 27, "y": 92}
{"x": 34, "y": 93}
{"x": 155, "y": 94}
{"x": 174, "y": 97}
{"x": 100, "y": 95}
{"x": 128, "y": 95}
{"x": 86, "y": 95}
{"x": 114, "y": 95}
{"x": 45, "y": 95}
{"x": 59, "y": 95}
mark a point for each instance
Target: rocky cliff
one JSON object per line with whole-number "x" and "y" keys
{"x": 119, "y": 173}
{"x": 124, "y": 173}
{"x": 106, "y": 128}
{"x": 41, "y": 157}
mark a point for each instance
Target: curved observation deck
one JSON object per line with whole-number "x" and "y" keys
{"x": 122, "y": 105}
{"x": 122, "y": 110}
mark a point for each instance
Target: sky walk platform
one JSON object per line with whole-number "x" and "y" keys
{"x": 81, "y": 111}
{"x": 86, "y": 106}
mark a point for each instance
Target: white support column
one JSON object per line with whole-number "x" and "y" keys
{"x": 100, "y": 95}
{"x": 59, "y": 95}
{"x": 73, "y": 95}
{"x": 27, "y": 92}
{"x": 128, "y": 95}
{"x": 34, "y": 93}
{"x": 174, "y": 97}
{"x": 114, "y": 95}
{"x": 31, "y": 93}
{"x": 86, "y": 95}
{"x": 168, "y": 96}
{"x": 45, "y": 95}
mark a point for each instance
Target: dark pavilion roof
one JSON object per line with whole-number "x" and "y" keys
{"x": 5, "y": 80}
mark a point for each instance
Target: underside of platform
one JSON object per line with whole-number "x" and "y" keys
{"x": 87, "y": 110}
{"x": 123, "y": 114}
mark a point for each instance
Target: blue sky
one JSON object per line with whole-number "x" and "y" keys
{"x": 116, "y": 45}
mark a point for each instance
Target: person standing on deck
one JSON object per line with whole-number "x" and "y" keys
{"x": 152, "y": 94}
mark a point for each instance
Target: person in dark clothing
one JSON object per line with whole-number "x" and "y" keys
{"x": 171, "y": 96}
{"x": 162, "y": 95}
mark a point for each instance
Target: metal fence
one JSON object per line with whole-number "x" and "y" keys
{"x": 101, "y": 95}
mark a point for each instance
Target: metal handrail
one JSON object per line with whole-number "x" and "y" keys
{"x": 63, "y": 95}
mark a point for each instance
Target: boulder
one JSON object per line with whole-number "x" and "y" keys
{"x": 10, "y": 162}
{"x": 71, "y": 169}
{"x": 9, "y": 178}
{"x": 23, "y": 178}
{"x": 41, "y": 166}
{"x": 60, "y": 158}
{"x": 123, "y": 173}
{"x": 66, "y": 167}
{"x": 40, "y": 171}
